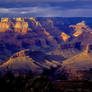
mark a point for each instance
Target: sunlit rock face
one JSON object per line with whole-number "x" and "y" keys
{"x": 18, "y": 27}
{"x": 64, "y": 36}
{"x": 4, "y": 27}
{"x": 35, "y": 22}
{"x": 44, "y": 34}
{"x": 19, "y": 19}
{"x": 25, "y": 27}
{"x": 21, "y": 27}
{"x": 78, "y": 64}
{"x": 4, "y": 19}
{"x": 34, "y": 61}
{"x": 79, "y": 28}
{"x": 4, "y": 24}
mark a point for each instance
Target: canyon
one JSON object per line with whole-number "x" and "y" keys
{"x": 38, "y": 44}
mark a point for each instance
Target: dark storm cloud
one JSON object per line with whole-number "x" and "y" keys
{"x": 64, "y": 8}
{"x": 48, "y": 10}
{"x": 41, "y": 0}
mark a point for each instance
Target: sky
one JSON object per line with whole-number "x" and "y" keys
{"x": 45, "y": 8}
{"x": 40, "y": 0}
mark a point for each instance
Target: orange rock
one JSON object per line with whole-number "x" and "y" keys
{"x": 4, "y": 27}
{"x": 25, "y": 27}
{"x": 46, "y": 33}
{"x": 4, "y": 19}
{"x": 19, "y": 19}
{"x": 79, "y": 28}
{"x": 21, "y": 27}
{"x": 64, "y": 36}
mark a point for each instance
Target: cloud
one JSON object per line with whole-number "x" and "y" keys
{"x": 42, "y": 0}
{"x": 4, "y": 10}
{"x": 46, "y": 12}
{"x": 49, "y": 10}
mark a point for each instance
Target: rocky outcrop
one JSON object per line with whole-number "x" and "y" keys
{"x": 27, "y": 60}
{"x": 76, "y": 65}
{"x": 80, "y": 28}
{"x": 4, "y": 24}
{"x": 44, "y": 34}
{"x": 64, "y": 36}
{"x": 21, "y": 27}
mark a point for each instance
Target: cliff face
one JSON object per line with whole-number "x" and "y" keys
{"x": 39, "y": 33}
{"x": 64, "y": 36}
{"x": 21, "y": 27}
{"x": 44, "y": 43}
{"x": 79, "y": 28}
{"x": 34, "y": 61}
{"x": 4, "y": 25}
{"x": 79, "y": 65}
